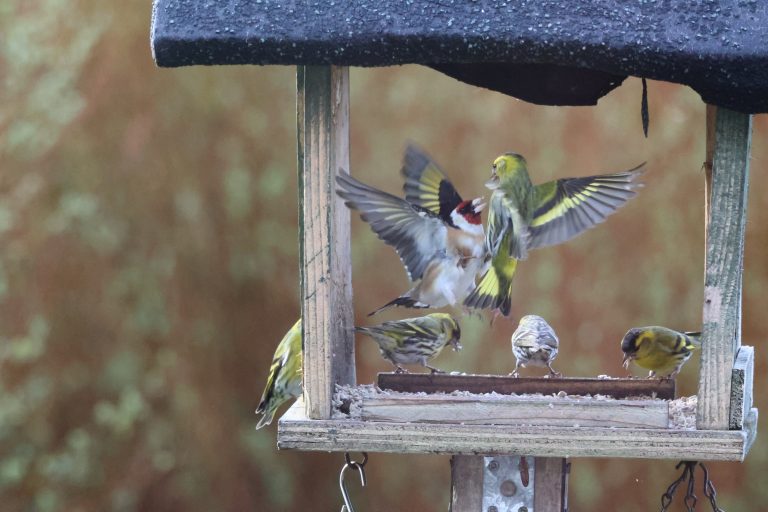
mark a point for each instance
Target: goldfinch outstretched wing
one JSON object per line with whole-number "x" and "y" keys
{"x": 426, "y": 185}
{"x": 566, "y": 207}
{"x": 417, "y": 234}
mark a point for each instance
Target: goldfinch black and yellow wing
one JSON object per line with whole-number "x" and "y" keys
{"x": 426, "y": 185}
{"x": 566, "y": 207}
{"x": 416, "y": 233}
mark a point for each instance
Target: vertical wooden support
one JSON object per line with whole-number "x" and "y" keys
{"x": 551, "y": 484}
{"x": 325, "y": 269}
{"x": 466, "y": 483}
{"x": 724, "y": 261}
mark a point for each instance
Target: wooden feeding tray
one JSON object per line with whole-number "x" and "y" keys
{"x": 569, "y": 417}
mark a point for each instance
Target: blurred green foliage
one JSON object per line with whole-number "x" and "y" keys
{"x": 148, "y": 222}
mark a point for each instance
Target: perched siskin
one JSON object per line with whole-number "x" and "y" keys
{"x": 415, "y": 340}
{"x": 534, "y": 343}
{"x": 438, "y": 236}
{"x": 523, "y": 217}
{"x": 658, "y": 349}
{"x": 284, "y": 380}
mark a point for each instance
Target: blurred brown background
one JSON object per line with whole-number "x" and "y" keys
{"x": 149, "y": 266}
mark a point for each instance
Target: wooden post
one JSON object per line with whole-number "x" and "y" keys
{"x": 724, "y": 260}
{"x": 325, "y": 270}
{"x": 466, "y": 483}
{"x": 550, "y": 490}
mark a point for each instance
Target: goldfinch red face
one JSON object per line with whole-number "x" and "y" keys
{"x": 471, "y": 210}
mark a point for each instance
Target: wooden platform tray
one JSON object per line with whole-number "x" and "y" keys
{"x": 296, "y": 431}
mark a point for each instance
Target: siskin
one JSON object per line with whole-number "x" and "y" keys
{"x": 284, "y": 380}
{"x": 523, "y": 216}
{"x": 658, "y": 349}
{"x": 534, "y": 343}
{"x": 415, "y": 340}
{"x": 438, "y": 236}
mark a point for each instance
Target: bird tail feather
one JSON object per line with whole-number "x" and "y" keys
{"x": 403, "y": 301}
{"x": 493, "y": 292}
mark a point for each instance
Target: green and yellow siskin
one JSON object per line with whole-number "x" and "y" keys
{"x": 415, "y": 340}
{"x": 661, "y": 350}
{"x": 523, "y": 216}
{"x": 534, "y": 343}
{"x": 284, "y": 380}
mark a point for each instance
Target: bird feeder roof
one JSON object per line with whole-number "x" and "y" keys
{"x": 550, "y": 52}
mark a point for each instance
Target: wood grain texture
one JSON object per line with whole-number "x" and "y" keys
{"x": 742, "y": 379}
{"x": 550, "y": 484}
{"x": 503, "y": 384}
{"x": 724, "y": 261}
{"x": 325, "y": 268}
{"x": 500, "y": 410}
{"x": 466, "y": 483}
{"x": 296, "y": 431}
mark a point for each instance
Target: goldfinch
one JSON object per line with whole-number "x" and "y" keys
{"x": 415, "y": 340}
{"x": 438, "y": 236}
{"x": 534, "y": 343}
{"x": 658, "y": 349}
{"x": 284, "y": 380}
{"x": 523, "y": 216}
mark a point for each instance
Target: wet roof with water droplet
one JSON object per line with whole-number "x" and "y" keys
{"x": 543, "y": 51}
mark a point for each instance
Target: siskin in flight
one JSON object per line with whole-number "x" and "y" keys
{"x": 438, "y": 236}
{"x": 658, "y": 349}
{"x": 415, "y": 340}
{"x": 523, "y": 216}
{"x": 284, "y": 380}
{"x": 534, "y": 343}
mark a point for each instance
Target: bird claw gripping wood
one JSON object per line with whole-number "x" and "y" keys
{"x": 690, "y": 499}
{"x": 351, "y": 464}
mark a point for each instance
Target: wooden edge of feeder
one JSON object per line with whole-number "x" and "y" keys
{"x": 447, "y": 383}
{"x": 742, "y": 381}
{"x": 296, "y": 431}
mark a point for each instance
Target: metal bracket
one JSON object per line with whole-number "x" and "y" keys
{"x": 508, "y": 484}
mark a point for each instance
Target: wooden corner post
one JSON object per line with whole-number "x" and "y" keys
{"x": 725, "y": 221}
{"x": 322, "y": 110}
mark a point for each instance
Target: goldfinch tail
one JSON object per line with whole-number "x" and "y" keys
{"x": 493, "y": 292}
{"x": 404, "y": 301}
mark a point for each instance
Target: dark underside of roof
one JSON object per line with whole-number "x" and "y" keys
{"x": 542, "y": 51}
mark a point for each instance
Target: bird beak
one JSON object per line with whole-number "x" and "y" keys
{"x": 478, "y": 204}
{"x": 493, "y": 183}
{"x": 456, "y": 345}
{"x": 627, "y": 359}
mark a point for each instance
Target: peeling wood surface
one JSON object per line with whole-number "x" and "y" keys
{"x": 503, "y": 384}
{"x": 742, "y": 378}
{"x": 724, "y": 262}
{"x": 295, "y": 431}
{"x": 325, "y": 268}
{"x": 501, "y": 410}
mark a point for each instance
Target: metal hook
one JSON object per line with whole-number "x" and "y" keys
{"x": 359, "y": 466}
